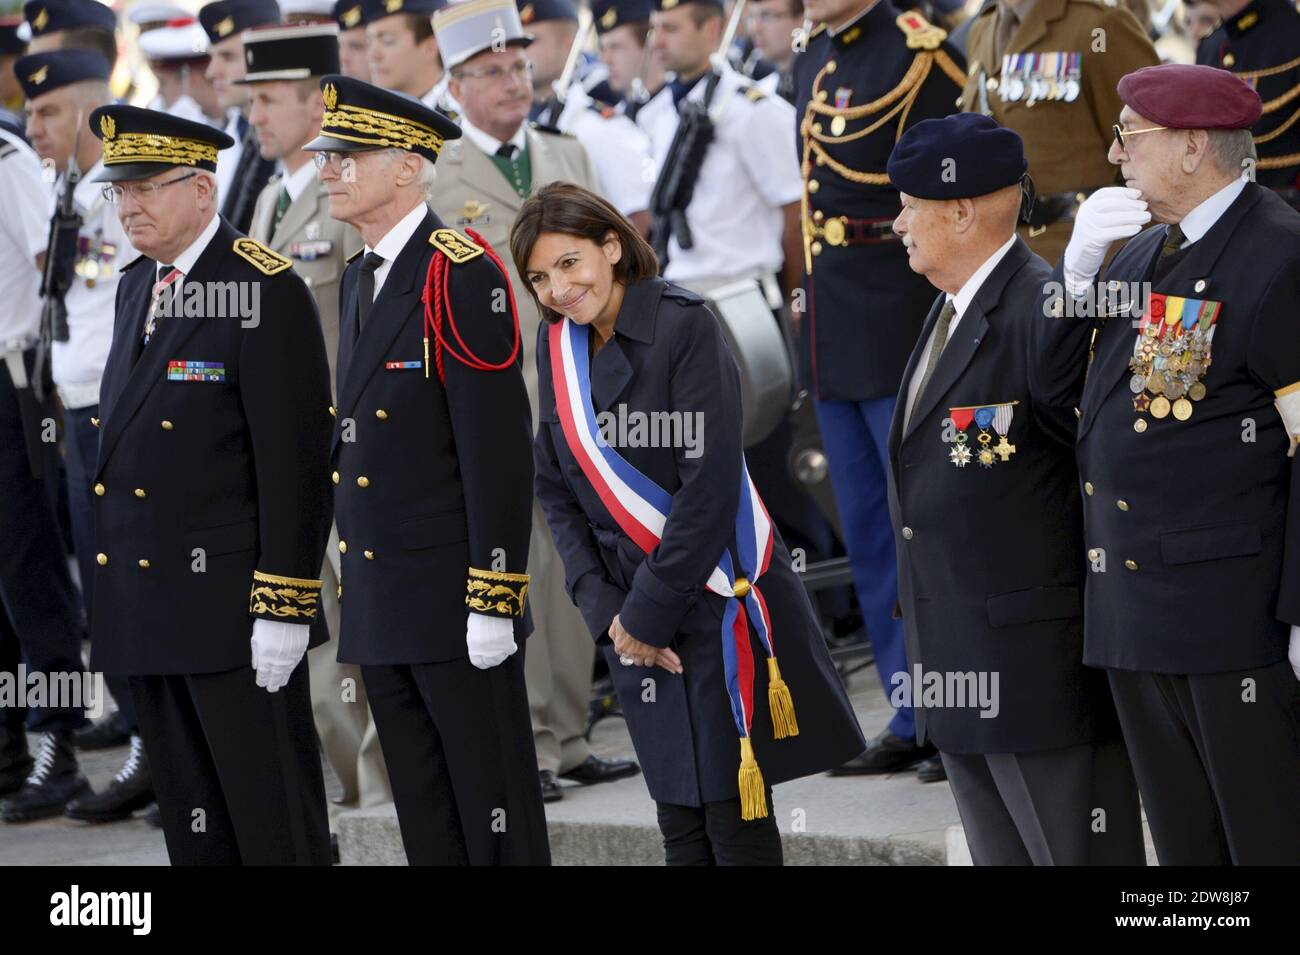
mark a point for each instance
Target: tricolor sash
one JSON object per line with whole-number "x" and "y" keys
{"x": 640, "y": 507}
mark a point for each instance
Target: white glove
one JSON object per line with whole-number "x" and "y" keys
{"x": 277, "y": 650}
{"x": 1293, "y": 653}
{"x": 491, "y": 640}
{"x": 1107, "y": 215}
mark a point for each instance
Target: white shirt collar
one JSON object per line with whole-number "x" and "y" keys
{"x": 88, "y": 194}
{"x": 185, "y": 261}
{"x": 490, "y": 144}
{"x": 395, "y": 239}
{"x": 961, "y": 301}
{"x": 296, "y": 183}
{"x": 1199, "y": 221}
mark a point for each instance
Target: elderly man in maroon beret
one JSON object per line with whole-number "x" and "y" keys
{"x": 1184, "y": 365}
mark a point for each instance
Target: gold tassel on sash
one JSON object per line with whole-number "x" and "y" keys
{"x": 780, "y": 703}
{"x": 753, "y": 794}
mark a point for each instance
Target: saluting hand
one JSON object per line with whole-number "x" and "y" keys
{"x": 642, "y": 654}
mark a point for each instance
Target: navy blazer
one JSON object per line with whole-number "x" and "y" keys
{"x": 990, "y": 559}
{"x": 1193, "y": 526}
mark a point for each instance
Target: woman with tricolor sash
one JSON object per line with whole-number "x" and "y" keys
{"x": 669, "y": 553}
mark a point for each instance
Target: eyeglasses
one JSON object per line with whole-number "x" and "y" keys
{"x": 495, "y": 74}
{"x": 1121, "y": 133}
{"x": 335, "y": 160}
{"x": 140, "y": 191}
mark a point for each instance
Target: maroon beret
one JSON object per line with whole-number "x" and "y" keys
{"x": 1191, "y": 97}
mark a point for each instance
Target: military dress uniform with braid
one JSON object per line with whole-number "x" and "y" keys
{"x": 859, "y": 89}
{"x": 1047, "y": 80}
{"x": 433, "y": 472}
{"x": 1261, "y": 45}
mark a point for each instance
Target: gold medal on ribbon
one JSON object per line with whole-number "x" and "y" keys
{"x": 837, "y": 126}
{"x": 1160, "y": 407}
{"x": 1182, "y": 409}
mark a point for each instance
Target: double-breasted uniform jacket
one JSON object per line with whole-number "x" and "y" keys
{"x": 858, "y": 92}
{"x": 668, "y": 355}
{"x": 212, "y": 494}
{"x": 990, "y": 557}
{"x": 1054, "y": 84}
{"x": 433, "y": 482}
{"x": 1192, "y": 526}
{"x": 471, "y": 193}
{"x": 318, "y": 245}
{"x": 1261, "y": 44}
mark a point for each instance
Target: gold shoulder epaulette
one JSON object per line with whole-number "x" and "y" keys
{"x": 920, "y": 33}
{"x": 455, "y": 246}
{"x": 816, "y": 30}
{"x": 262, "y": 258}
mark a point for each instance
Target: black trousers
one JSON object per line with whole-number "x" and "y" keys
{"x": 714, "y": 834}
{"x": 236, "y": 769}
{"x": 1217, "y": 758}
{"x": 458, "y": 744}
{"x": 40, "y": 620}
{"x": 1071, "y": 806}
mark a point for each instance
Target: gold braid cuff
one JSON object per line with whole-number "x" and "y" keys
{"x": 496, "y": 593}
{"x": 283, "y": 598}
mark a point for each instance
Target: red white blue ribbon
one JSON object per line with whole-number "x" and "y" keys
{"x": 641, "y": 507}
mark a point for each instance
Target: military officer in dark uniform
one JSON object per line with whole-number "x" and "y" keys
{"x": 243, "y": 174}
{"x": 668, "y": 551}
{"x": 985, "y": 500}
{"x": 1259, "y": 40}
{"x": 432, "y": 473}
{"x": 868, "y": 73}
{"x": 212, "y": 504}
{"x": 1186, "y": 442}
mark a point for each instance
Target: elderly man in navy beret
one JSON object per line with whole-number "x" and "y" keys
{"x": 1188, "y": 419}
{"x": 985, "y": 502}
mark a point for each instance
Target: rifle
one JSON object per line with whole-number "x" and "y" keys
{"x": 676, "y": 183}
{"x": 554, "y": 106}
{"x": 60, "y": 267}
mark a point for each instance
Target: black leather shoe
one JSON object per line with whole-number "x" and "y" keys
{"x": 55, "y": 779}
{"x": 886, "y": 753}
{"x": 131, "y": 789}
{"x": 931, "y": 770}
{"x": 153, "y": 816}
{"x": 594, "y": 770}
{"x": 15, "y": 761}
{"x": 552, "y": 791}
{"x": 102, "y": 735}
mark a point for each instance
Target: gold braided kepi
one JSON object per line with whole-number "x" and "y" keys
{"x": 360, "y": 116}
{"x": 139, "y": 143}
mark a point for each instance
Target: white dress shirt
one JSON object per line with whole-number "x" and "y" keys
{"x": 1199, "y": 221}
{"x": 960, "y": 302}
{"x": 488, "y": 143}
{"x": 394, "y": 240}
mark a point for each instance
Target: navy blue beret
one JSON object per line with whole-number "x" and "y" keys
{"x": 957, "y": 157}
{"x": 538, "y": 11}
{"x": 48, "y": 16}
{"x": 226, "y": 18}
{"x": 41, "y": 73}
{"x": 610, "y": 14}
{"x": 10, "y": 41}
{"x": 372, "y": 10}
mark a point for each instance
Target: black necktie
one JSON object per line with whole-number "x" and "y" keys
{"x": 366, "y": 287}
{"x": 506, "y": 151}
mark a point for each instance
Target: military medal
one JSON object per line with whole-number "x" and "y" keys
{"x": 837, "y": 126}
{"x": 1002, "y": 415}
{"x": 960, "y": 455}
{"x": 842, "y": 96}
{"x": 1171, "y": 355}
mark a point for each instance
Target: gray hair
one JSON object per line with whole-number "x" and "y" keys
{"x": 427, "y": 174}
{"x": 1233, "y": 150}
